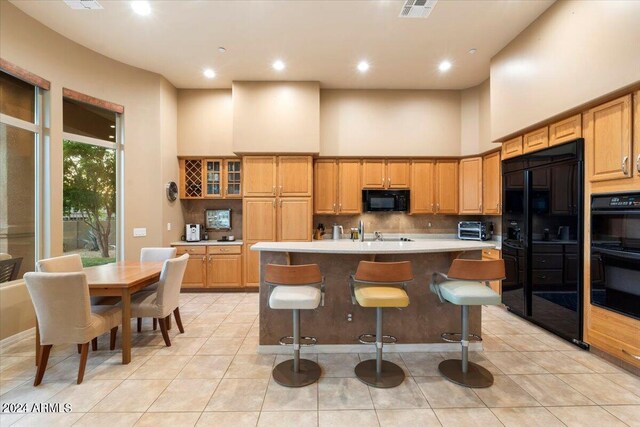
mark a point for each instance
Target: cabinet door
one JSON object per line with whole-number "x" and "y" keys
{"x": 191, "y": 176}
{"x": 195, "y": 273}
{"x": 562, "y": 185}
{"x": 325, "y": 186}
{"x": 512, "y": 148}
{"x": 608, "y": 140}
{"x": 349, "y": 187}
{"x": 213, "y": 178}
{"x": 565, "y": 130}
{"x": 373, "y": 174}
{"x": 471, "y": 185}
{"x": 536, "y": 140}
{"x": 224, "y": 271}
{"x": 422, "y": 187}
{"x": 447, "y": 187}
{"x": 251, "y": 266}
{"x": 294, "y": 219}
{"x": 295, "y": 176}
{"x": 398, "y": 174}
{"x": 259, "y": 176}
{"x": 259, "y": 219}
{"x": 491, "y": 184}
{"x": 233, "y": 179}
{"x": 493, "y": 254}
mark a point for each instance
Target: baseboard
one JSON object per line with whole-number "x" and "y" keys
{"x": 361, "y": 348}
{"x": 18, "y": 337}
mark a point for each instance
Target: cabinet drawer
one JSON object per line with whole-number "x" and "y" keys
{"x": 191, "y": 250}
{"x": 547, "y": 261}
{"x": 490, "y": 254}
{"x": 225, "y": 249}
{"x": 546, "y": 277}
{"x": 613, "y": 333}
{"x": 546, "y": 249}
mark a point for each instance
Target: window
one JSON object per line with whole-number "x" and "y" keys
{"x": 20, "y": 136}
{"x": 90, "y": 182}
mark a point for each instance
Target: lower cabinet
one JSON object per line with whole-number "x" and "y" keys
{"x": 488, "y": 254}
{"x": 251, "y": 266}
{"x": 195, "y": 275}
{"x": 212, "y": 266}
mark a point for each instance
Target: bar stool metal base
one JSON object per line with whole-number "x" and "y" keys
{"x": 476, "y": 376}
{"x": 392, "y": 375}
{"x": 308, "y": 373}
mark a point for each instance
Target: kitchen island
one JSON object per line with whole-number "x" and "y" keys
{"x": 338, "y": 323}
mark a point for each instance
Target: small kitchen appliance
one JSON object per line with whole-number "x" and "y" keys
{"x": 193, "y": 232}
{"x": 475, "y": 230}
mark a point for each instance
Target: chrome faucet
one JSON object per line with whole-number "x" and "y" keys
{"x": 378, "y": 236}
{"x": 361, "y": 230}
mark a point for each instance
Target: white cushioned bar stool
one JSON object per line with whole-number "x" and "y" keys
{"x": 466, "y": 284}
{"x": 380, "y": 285}
{"x": 295, "y": 287}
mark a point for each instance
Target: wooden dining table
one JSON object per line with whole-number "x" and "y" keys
{"x": 120, "y": 279}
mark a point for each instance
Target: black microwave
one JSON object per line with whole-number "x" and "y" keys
{"x": 385, "y": 200}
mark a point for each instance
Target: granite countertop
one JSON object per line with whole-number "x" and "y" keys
{"x": 345, "y": 246}
{"x": 207, "y": 243}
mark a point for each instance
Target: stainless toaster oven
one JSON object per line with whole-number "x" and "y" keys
{"x": 475, "y": 230}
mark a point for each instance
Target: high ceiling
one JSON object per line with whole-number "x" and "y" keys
{"x": 317, "y": 40}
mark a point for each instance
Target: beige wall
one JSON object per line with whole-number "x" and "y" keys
{"x": 205, "y": 122}
{"x": 475, "y": 120}
{"x": 573, "y": 53}
{"x": 149, "y": 128}
{"x": 281, "y": 117}
{"x": 389, "y": 122}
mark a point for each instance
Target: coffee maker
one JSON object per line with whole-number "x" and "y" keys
{"x": 193, "y": 232}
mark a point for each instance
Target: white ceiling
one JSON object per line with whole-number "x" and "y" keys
{"x": 318, "y": 40}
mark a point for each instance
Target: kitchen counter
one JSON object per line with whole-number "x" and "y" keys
{"x": 345, "y": 246}
{"x": 207, "y": 243}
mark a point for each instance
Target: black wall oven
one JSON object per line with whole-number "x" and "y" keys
{"x": 385, "y": 200}
{"x": 615, "y": 252}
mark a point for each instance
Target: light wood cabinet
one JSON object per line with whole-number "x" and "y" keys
{"x": 536, "y": 140}
{"x": 386, "y": 173}
{"x": 493, "y": 254}
{"x": 224, "y": 271}
{"x": 295, "y": 176}
{"x": 232, "y": 179}
{"x": 491, "y": 184}
{"x": 191, "y": 176}
{"x": 471, "y": 185}
{"x": 210, "y": 178}
{"x": 325, "y": 191}
{"x": 195, "y": 275}
{"x": 615, "y": 334}
{"x": 446, "y": 187}
{"x": 423, "y": 187}
{"x": 349, "y": 187}
{"x": 212, "y": 266}
{"x": 260, "y": 178}
{"x": 636, "y": 137}
{"x": 294, "y": 219}
{"x": 512, "y": 148}
{"x": 251, "y": 266}
{"x": 565, "y": 130}
{"x": 259, "y": 219}
{"x": 608, "y": 140}
{"x": 337, "y": 188}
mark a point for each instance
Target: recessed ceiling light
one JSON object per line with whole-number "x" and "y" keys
{"x": 444, "y": 66}
{"x": 278, "y": 65}
{"x": 363, "y": 66}
{"x": 222, "y": 49}
{"x": 141, "y": 7}
{"x": 473, "y": 50}
{"x": 209, "y": 73}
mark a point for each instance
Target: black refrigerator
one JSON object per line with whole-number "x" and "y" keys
{"x": 542, "y": 238}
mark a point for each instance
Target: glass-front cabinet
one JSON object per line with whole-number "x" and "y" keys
{"x": 210, "y": 178}
{"x": 233, "y": 181}
{"x": 213, "y": 178}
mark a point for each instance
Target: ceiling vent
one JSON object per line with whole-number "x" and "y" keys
{"x": 83, "y": 4}
{"x": 417, "y": 8}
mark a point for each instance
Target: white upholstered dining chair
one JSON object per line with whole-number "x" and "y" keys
{"x": 66, "y": 316}
{"x": 155, "y": 255}
{"x": 159, "y": 304}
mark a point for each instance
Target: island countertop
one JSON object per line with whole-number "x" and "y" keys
{"x": 347, "y": 246}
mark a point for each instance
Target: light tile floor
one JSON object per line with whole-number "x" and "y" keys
{"x": 212, "y": 375}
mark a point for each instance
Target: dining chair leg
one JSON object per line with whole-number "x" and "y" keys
{"x": 42, "y": 363}
{"x": 176, "y": 314}
{"x": 169, "y": 322}
{"x": 83, "y": 361}
{"x": 155, "y": 324}
{"x": 112, "y": 342}
{"x": 165, "y": 333}
{"x": 139, "y": 324}
{"x": 79, "y": 348}
{"x": 94, "y": 344}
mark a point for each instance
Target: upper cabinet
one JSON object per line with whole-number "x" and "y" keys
{"x": 536, "y": 140}
{"x": 284, "y": 176}
{"x": 512, "y": 148}
{"x": 565, "y": 130}
{"x": 325, "y": 186}
{"x": 337, "y": 187}
{"x": 423, "y": 186}
{"x": 446, "y": 187}
{"x": 471, "y": 186}
{"x": 491, "y": 184}
{"x": 380, "y": 173}
{"x": 607, "y": 131}
{"x": 210, "y": 178}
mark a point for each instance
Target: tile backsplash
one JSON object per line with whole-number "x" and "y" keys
{"x": 193, "y": 213}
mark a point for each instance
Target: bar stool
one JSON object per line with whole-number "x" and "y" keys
{"x": 380, "y": 285}
{"x": 295, "y": 287}
{"x": 470, "y": 286}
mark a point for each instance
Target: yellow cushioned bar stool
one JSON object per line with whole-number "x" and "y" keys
{"x": 380, "y": 285}
{"x": 467, "y": 284}
{"x": 295, "y": 287}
